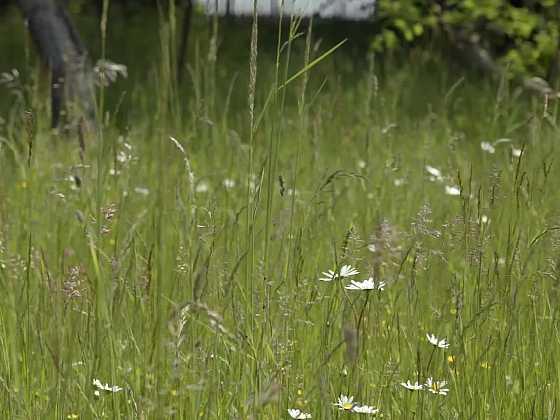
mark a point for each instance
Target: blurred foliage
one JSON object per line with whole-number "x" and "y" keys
{"x": 522, "y": 35}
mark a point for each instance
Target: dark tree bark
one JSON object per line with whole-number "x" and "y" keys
{"x": 59, "y": 45}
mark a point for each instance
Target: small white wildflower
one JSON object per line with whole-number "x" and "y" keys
{"x": 365, "y": 409}
{"x": 122, "y": 157}
{"x": 372, "y": 248}
{"x": 345, "y": 271}
{"x": 142, "y": 190}
{"x": 229, "y": 183}
{"x": 436, "y": 342}
{"x": 434, "y": 172}
{"x": 487, "y": 147}
{"x": 201, "y": 187}
{"x": 296, "y": 413}
{"x": 484, "y": 219}
{"x": 452, "y": 190}
{"x": 412, "y": 386}
{"x": 345, "y": 403}
{"x": 99, "y": 385}
{"x": 436, "y": 387}
{"x": 368, "y": 284}
{"x": 515, "y": 152}
{"x": 398, "y": 182}
{"x": 361, "y": 164}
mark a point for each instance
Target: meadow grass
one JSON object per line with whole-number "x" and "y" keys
{"x": 180, "y": 260}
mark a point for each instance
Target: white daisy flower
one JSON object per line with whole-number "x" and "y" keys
{"x": 434, "y": 172}
{"x": 345, "y": 403}
{"x": 345, "y": 271}
{"x": 348, "y": 404}
{"x": 436, "y": 387}
{"x": 296, "y": 413}
{"x": 328, "y": 275}
{"x": 452, "y": 190}
{"x": 436, "y": 342}
{"x": 97, "y": 383}
{"x": 365, "y": 409}
{"x": 348, "y": 271}
{"x": 368, "y": 284}
{"x": 487, "y": 147}
{"x": 412, "y": 386}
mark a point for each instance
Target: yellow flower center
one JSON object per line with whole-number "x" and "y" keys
{"x": 347, "y": 406}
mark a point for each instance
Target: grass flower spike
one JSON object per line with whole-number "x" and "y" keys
{"x": 296, "y": 413}
{"x": 368, "y": 284}
{"x": 436, "y": 387}
{"x": 436, "y": 342}
{"x": 412, "y": 386}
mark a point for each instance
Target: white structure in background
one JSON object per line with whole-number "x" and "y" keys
{"x": 337, "y": 9}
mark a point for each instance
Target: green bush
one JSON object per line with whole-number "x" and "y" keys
{"x": 521, "y": 35}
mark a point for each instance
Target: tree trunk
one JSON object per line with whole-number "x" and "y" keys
{"x": 72, "y": 90}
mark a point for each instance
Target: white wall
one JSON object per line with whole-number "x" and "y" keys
{"x": 340, "y": 9}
